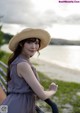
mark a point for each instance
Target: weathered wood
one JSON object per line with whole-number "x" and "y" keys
{"x": 2, "y": 79}
{"x": 2, "y": 85}
{"x": 3, "y": 72}
{"x": 3, "y": 64}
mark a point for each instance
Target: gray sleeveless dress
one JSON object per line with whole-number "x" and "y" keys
{"x": 21, "y": 98}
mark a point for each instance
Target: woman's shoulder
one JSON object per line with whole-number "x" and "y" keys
{"x": 23, "y": 68}
{"x": 23, "y": 64}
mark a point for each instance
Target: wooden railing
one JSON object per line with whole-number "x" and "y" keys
{"x": 3, "y": 75}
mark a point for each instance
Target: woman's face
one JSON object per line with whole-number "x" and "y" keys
{"x": 30, "y": 47}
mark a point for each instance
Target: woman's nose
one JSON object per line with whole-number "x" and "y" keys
{"x": 33, "y": 45}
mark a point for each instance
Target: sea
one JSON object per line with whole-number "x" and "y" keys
{"x": 66, "y": 56}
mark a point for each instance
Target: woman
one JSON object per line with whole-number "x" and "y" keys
{"x": 23, "y": 82}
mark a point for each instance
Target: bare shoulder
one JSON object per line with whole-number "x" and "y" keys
{"x": 23, "y": 65}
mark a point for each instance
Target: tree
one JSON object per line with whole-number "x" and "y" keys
{"x": 1, "y": 36}
{"x": 7, "y": 37}
{"x": 4, "y": 37}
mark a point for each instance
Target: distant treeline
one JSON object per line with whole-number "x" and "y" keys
{"x": 4, "y": 37}
{"x": 64, "y": 42}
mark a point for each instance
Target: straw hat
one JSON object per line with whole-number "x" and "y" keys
{"x": 43, "y": 35}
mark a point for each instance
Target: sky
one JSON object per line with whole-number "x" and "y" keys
{"x": 61, "y": 20}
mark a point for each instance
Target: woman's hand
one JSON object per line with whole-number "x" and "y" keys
{"x": 53, "y": 87}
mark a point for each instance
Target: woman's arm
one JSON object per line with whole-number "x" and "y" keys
{"x": 26, "y": 72}
{"x": 2, "y": 95}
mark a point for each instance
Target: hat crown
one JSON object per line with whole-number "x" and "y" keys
{"x": 27, "y": 29}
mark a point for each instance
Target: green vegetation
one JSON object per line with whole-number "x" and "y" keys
{"x": 4, "y": 37}
{"x": 1, "y": 37}
{"x": 4, "y": 56}
{"x": 67, "y": 97}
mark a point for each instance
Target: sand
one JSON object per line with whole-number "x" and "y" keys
{"x": 55, "y": 71}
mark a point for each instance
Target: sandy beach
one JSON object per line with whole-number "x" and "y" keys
{"x": 57, "y": 72}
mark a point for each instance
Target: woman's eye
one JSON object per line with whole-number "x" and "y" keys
{"x": 36, "y": 42}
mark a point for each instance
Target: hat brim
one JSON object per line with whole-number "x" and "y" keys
{"x": 43, "y": 35}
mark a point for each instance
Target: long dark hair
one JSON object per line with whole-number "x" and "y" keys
{"x": 15, "y": 54}
{"x": 13, "y": 57}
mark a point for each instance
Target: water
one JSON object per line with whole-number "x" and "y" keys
{"x": 67, "y": 56}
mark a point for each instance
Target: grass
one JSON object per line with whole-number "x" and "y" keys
{"x": 66, "y": 98}
{"x": 4, "y": 56}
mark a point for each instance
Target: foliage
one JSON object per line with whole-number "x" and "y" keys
{"x": 4, "y": 56}
{"x": 7, "y": 37}
{"x": 66, "y": 97}
{"x": 1, "y": 36}
{"x": 4, "y": 37}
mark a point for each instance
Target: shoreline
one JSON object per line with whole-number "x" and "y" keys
{"x": 57, "y": 72}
